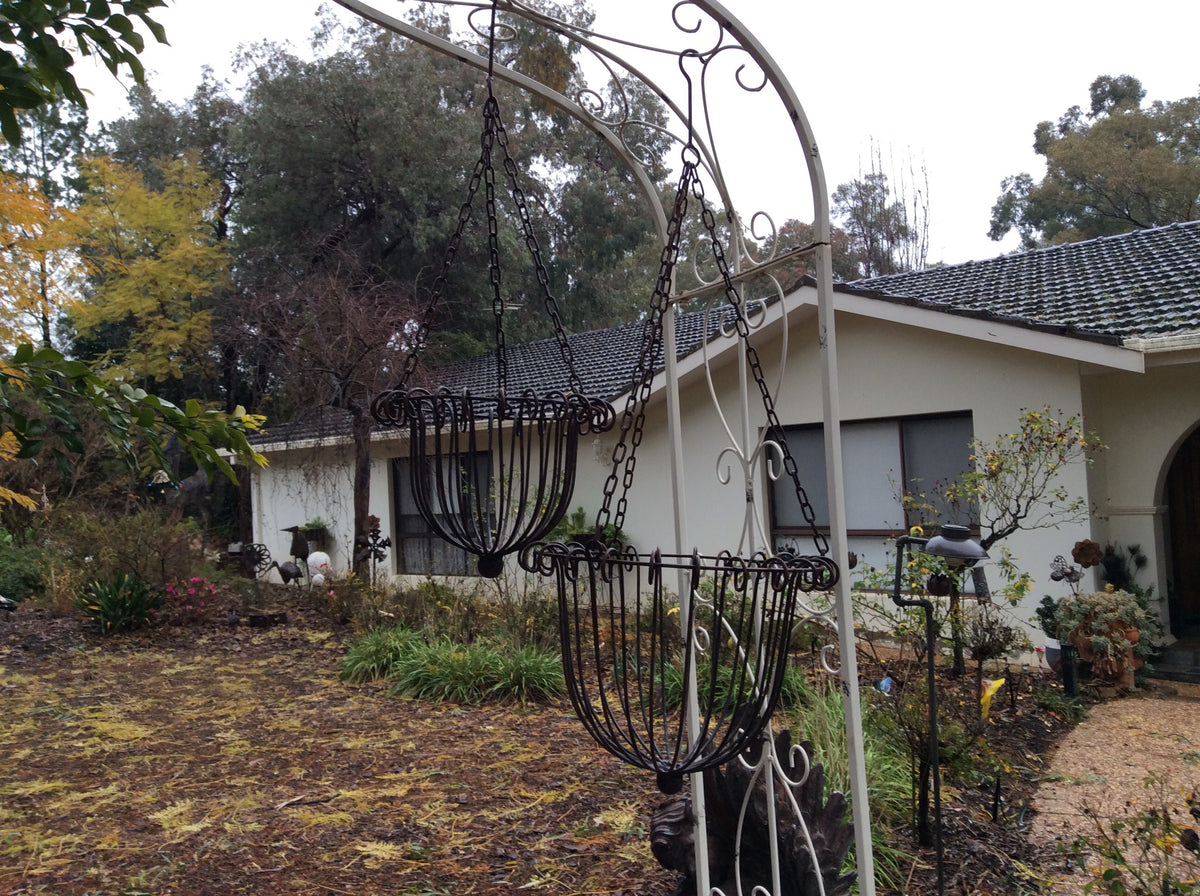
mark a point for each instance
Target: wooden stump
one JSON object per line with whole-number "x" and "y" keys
{"x": 672, "y": 830}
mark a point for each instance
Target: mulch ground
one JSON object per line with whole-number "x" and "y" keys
{"x": 220, "y": 759}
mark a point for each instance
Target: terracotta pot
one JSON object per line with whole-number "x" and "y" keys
{"x": 1083, "y": 646}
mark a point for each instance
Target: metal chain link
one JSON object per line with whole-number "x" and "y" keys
{"x": 439, "y": 283}
{"x": 743, "y": 328}
{"x": 535, "y": 251}
{"x": 494, "y": 134}
{"x": 634, "y": 417}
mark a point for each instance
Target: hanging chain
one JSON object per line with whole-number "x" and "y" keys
{"x": 439, "y": 283}
{"x": 634, "y": 417}
{"x": 775, "y": 428}
{"x": 535, "y": 252}
{"x": 494, "y": 134}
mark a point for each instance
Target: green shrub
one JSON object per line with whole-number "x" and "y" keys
{"x": 121, "y": 603}
{"x": 447, "y": 672}
{"x": 520, "y": 614}
{"x": 146, "y": 544}
{"x": 376, "y": 654}
{"x": 530, "y": 676}
{"x": 440, "y": 611}
{"x": 20, "y": 571}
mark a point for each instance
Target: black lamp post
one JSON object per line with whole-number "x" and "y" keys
{"x": 955, "y": 545}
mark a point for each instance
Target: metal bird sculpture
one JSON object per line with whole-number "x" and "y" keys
{"x": 299, "y": 544}
{"x": 288, "y": 571}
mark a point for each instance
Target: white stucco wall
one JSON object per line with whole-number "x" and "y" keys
{"x": 892, "y": 362}
{"x": 1142, "y": 419}
{"x": 310, "y": 480}
{"x": 886, "y": 370}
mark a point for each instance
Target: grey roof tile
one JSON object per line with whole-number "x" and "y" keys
{"x": 604, "y": 360}
{"x": 1140, "y": 284}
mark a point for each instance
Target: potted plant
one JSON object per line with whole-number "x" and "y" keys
{"x": 316, "y": 532}
{"x": 1105, "y": 627}
{"x": 1047, "y": 619}
{"x": 578, "y": 527}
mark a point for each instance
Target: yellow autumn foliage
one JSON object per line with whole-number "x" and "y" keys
{"x": 157, "y": 267}
{"x": 39, "y": 261}
{"x": 9, "y": 446}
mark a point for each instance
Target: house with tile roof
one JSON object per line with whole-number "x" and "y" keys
{"x": 927, "y": 360}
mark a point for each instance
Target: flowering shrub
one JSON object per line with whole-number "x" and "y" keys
{"x": 188, "y": 600}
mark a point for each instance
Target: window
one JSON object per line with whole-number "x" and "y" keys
{"x": 418, "y": 550}
{"x": 923, "y": 453}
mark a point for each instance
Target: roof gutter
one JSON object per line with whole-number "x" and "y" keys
{"x": 1156, "y": 344}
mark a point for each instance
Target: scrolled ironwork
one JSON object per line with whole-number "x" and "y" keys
{"x": 636, "y": 656}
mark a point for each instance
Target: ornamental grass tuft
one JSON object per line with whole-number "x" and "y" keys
{"x": 121, "y": 603}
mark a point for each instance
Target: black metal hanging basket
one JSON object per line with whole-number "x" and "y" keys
{"x": 640, "y": 661}
{"x": 491, "y": 474}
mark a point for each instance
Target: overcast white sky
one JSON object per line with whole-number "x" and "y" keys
{"x": 959, "y": 86}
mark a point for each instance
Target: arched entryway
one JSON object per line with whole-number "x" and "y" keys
{"x": 1182, "y": 494}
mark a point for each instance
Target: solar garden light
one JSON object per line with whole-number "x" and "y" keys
{"x": 954, "y": 545}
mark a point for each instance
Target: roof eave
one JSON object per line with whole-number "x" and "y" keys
{"x": 1163, "y": 351}
{"x": 1099, "y": 350}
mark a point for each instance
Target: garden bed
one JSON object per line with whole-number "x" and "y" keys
{"x": 216, "y": 758}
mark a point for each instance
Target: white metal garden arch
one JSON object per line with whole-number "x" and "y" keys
{"x": 702, "y": 35}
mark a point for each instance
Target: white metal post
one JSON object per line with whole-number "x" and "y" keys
{"x": 844, "y": 608}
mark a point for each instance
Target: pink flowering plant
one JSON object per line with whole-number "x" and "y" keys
{"x": 188, "y": 600}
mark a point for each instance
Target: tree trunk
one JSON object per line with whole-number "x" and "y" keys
{"x": 361, "y": 427}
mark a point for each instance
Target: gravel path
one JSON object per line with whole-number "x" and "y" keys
{"x": 1104, "y": 764}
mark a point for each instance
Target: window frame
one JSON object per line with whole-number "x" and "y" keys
{"x": 782, "y": 533}
{"x": 433, "y": 549}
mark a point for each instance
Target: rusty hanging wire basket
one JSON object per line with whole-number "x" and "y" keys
{"x": 640, "y": 659}
{"x": 493, "y": 473}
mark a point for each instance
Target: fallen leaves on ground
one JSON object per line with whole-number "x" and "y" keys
{"x": 222, "y": 760}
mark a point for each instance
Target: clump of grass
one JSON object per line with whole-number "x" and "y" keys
{"x": 1052, "y": 700}
{"x": 453, "y": 673}
{"x": 820, "y": 719}
{"x": 531, "y": 676}
{"x": 446, "y": 672}
{"x": 376, "y": 654}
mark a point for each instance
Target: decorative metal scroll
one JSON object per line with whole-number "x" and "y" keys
{"x": 682, "y": 684}
{"x": 492, "y": 474}
{"x": 639, "y": 660}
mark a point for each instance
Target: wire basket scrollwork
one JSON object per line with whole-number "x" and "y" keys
{"x": 491, "y": 474}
